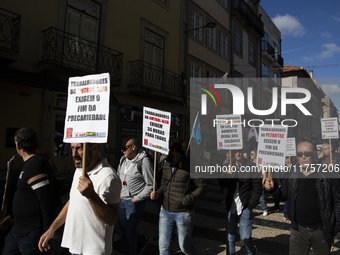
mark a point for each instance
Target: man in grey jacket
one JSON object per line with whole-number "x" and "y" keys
{"x": 136, "y": 173}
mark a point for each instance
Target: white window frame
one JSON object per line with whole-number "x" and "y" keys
{"x": 224, "y": 51}
{"x": 237, "y": 41}
{"x": 195, "y": 72}
{"x": 211, "y": 37}
{"x": 252, "y": 54}
{"x": 196, "y": 22}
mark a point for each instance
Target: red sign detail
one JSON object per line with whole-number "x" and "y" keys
{"x": 146, "y": 141}
{"x": 220, "y": 144}
{"x": 259, "y": 160}
{"x": 69, "y": 132}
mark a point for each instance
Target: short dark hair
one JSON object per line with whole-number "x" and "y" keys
{"x": 177, "y": 146}
{"x": 27, "y": 139}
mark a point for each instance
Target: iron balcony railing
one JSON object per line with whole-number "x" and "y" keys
{"x": 249, "y": 13}
{"x": 155, "y": 78}
{"x": 75, "y": 52}
{"x": 270, "y": 49}
{"x": 9, "y": 30}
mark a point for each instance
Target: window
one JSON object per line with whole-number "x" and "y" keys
{"x": 224, "y": 45}
{"x": 82, "y": 22}
{"x": 83, "y": 19}
{"x": 153, "y": 48}
{"x": 238, "y": 41}
{"x": 195, "y": 72}
{"x": 275, "y": 78}
{"x": 275, "y": 51}
{"x": 196, "y": 22}
{"x": 251, "y": 52}
{"x": 265, "y": 74}
{"x": 211, "y": 77}
{"x": 211, "y": 37}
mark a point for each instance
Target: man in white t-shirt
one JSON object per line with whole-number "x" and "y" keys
{"x": 92, "y": 210}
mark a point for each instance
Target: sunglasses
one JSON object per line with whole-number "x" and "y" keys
{"x": 306, "y": 154}
{"x": 252, "y": 154}
{"x": 124, "y": 148}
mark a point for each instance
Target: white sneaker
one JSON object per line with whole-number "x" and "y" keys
{"x": 265, "y": 213}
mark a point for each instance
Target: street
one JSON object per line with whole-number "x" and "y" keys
{"x": 270, "y": 233}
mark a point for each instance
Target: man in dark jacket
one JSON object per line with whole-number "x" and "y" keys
{"x": 242, "y": 196}
{"x": 32, "y": 202}
{"x": 313, "y": 205}
{"x": 179, "y": 193}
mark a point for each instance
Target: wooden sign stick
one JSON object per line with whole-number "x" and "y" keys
{"x": 154, "y": 171}
{"x": 84, "y": 159}
{"x": 7, "y": 190}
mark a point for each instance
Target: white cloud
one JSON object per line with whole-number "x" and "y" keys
{"x": 329, "y": 50}
{"x": 289, "y": 25}
{"x": 330, "y": 89}
{"x": 325, "y": 35}
{"x": 336, "y": 19}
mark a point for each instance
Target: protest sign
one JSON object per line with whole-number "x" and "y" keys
{"x": 272, "y": 146}
{"x": 87, "y": 113}
{"x": 329, "y": 128}
{"x": 291, "y": 148}
{"x": 229, "y": 132}
{"x": 156, "y": 130}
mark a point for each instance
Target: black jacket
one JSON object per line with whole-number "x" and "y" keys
{"x": 180, "y": 191}
{"x": 250, "y": 189}
{"x": 329, "y": 201}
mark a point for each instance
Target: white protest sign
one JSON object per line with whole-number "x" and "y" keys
{"x": 87, "y": 113}
{"x": 290, "y": 149}
{"x": 330, "y": 128}
{"x": 229, "y": 132}
{"x": 156, "y": 129}
{"x": 272, "y": 146}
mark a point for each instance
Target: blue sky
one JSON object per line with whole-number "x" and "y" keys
{"x": 310, "y": 32}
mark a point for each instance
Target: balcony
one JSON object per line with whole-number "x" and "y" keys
{"x": 250, "y": 17}
{"x": 63, "y": 51}
{"x": 9, "y": 35}
{"x": 150, "y": 80}
{"x": 269, "y": 53}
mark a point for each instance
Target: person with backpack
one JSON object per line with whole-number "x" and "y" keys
{"x": 136, "y": 173}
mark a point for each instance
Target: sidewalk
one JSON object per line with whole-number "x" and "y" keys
{"x": 270, "y": 233}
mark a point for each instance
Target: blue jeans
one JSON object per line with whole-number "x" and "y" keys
{"x": 246, "y": 223}
{"x": 129, "y": 217}
{"x": 184, "y": 222}
{"x": 285, "y": 210}
{"x": 25, "y": 245}
{"x": 263, "y": 201}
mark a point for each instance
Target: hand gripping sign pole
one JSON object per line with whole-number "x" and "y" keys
{"x": 10, "y": 164}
